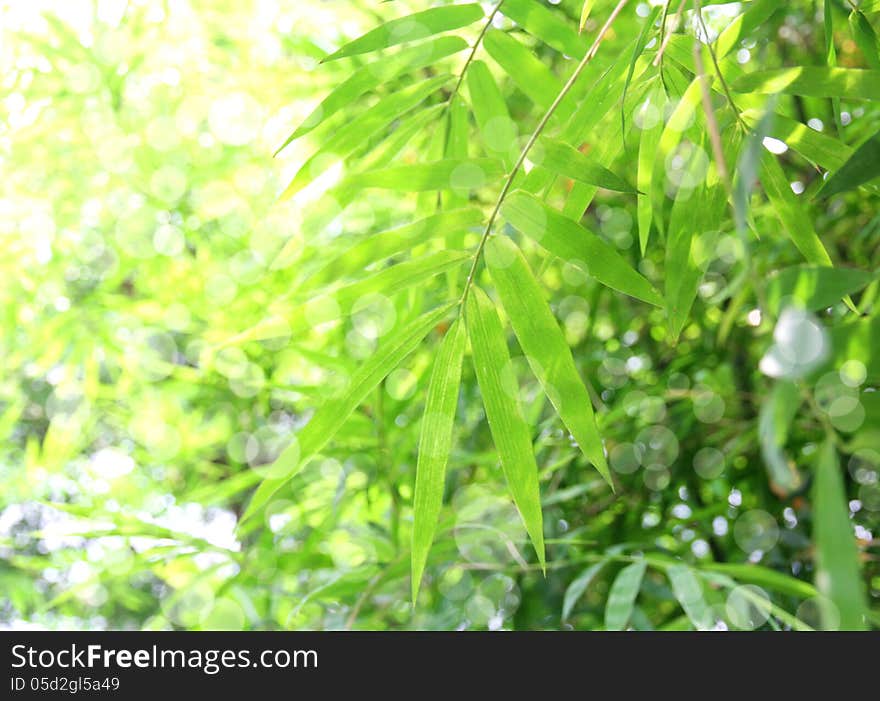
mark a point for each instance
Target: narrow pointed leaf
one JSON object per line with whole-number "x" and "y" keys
{"x": 506, "y": 423}
{"x": 837, "y": 557}
{"x": 447, "y": 174}
{"x": 434, "y": 446}
{"x": 688, "y": 590}
{"x": 813, "y": 81}
{"x": 819, "y": 148}
{"x": 865, "y": 37}
{"x": 814, "y": 287}
{"x": 568, "y": 161}
{"x": 546, "y": 25}
{"x": 374, "y": 74}
{"x": 567, "y": 239}
{"x": 545, "y": 347}
{"x": 774, "y": 423}
{"x": 331, "y": 416}
{"x": 585, "y": 14}
{"x": 648, "y": 144}
{"x": 622, "y": 596}
{"x": 578, "y": 586}
{"x": 415, "y": 27}
{"x": 786, "y": 205}
{"x": 862, "y": 167}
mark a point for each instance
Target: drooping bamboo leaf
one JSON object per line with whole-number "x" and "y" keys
{"x": 774, "y": 422}
{"x": 447, "y": 174}
{"x": 490, "y": 110}
{"x": 791, "y": 213}
{"x": 331, "y": 415}
{"x": 813, "y": 81}
{"x": 545, "y": 25}
{"x": 376, "y": 247}
{"x": 688, "y": 591}
{"x": 506, "y": 423}
{"x": 372, "y": 75}
{"x": 415, "y": 27}
{"x": 763, "y": 577}
{"x": 637, "y": 51}
{"x": 585, "y": 14}
{"x": 622, "y": 596}
{"x": 865, "y": 37}
{"x": 347, "y": 139}
{"x": 862, "y": 167}
{"x": 821, "y": 149}
{"x": 747, "y": 168}
{"x": 545, "y": 347}
{"x": 434, "y": 446}
{"x": 754, "y": 15}
{"x": 287, "y": 318}
{"x": 573, "y": 243}
{"x": 652, "y": 109}
{"x": 568, "y": 161}
{"x": 578, "y": 586}
{"x": 837, "y": 556}
{"x": 814, "y": 287}
{"x": 527, "y": 72}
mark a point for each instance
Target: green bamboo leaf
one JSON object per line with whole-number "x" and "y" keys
{"x": 815, "y": 146}
{"x": 585, "y": 14}
{"x": 654, "y": 106}
{"x": 788, "y": 208}
{"x": 764, "y": 577}
{"x": 578, "y": 586}
{"x": 567, "y": 239}
{"x": 490, "y": 110}
{"x": 622, "y": 596}
{"x": 545, "y": 25}
{"x": 527, "y": 72}
{"x": 813, "y": 81}
{"x": 568, "y": 161}
{"x": 774, "y": 422}
{"x": 637, "y": 52}
{"x": 862, "y": 167}
{"x": 414, "y": 27}
{"x": 434, "y": 445}
{"x": 376, "y": 247}
{"x": 756, "y": 14}
{"x": 814, "y": 287}
{"x": 372, "y": 75}
{"x": 838, "y": 574}
{"x": 865, "y": 37}
{"x": 352, "y": 136}
{"x": 747, "y": 168}
{"x": 331, "y": 415}
{"x": 506, "y": 423}
{"x": 330, "y": 305}
{"x": 688, "y": 590}
{"x": 448, "y": 174}
{"x": 545, "y": 347}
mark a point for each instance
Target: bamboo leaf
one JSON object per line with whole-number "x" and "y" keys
{"x": 578, "y": 586}
{"x": 862, "y": 167}
{"x": 688, "y": 591}
{"x": 545, "y": 25}
{"x": 545, "y": 347}
{"x": 813, "y": 81}
{"x": 526, "y": 70}
{"x": 791, "y": 213}
{"x": 372, "y": 75}
{"x": 434, "y": 446}
{"x": 814, "y": 287}
{"x": 349, "y": 138}
{"x": 585, "y": 14}
{"x": 568, "y": 161}
{"x": 648, "y": 144}
{"x": 570, "y": 241}
{"x": 622, "y": 596}
{"x": 448, "y": 174}
{"x": 506, "y": 423}
{"x": 415, "y": 27}
{"x": 837, "y": 556}
{"x": 331, "y": 416}
{"x": 815, "y": 146}
{"x": 490, "y": 110}
{"x": 774, "y": 422}
{"x": 865, "y": 37}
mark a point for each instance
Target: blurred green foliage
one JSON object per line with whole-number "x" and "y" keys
{"x": 142, "y": 239}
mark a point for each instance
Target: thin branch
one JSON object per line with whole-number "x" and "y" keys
{"x": 590, "y": 55}
{"x": 658, "y": 59}
{"x": 721, "y": 79}
{"x": 711, "y": 122}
